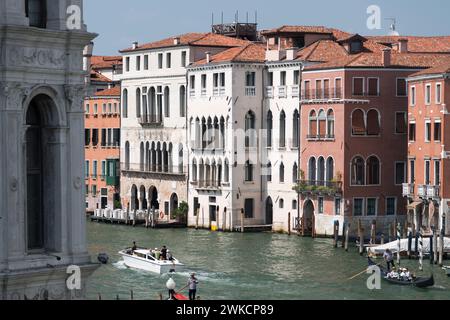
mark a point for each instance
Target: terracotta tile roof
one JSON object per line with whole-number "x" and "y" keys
{"x": 418, "y": 44}
{"x": 193, "y": 39}
{"x": 105, "y": 62}
{"x": 322, "y": 51}
{"x": 248, "y": 53}
{"x": 112, "y": 92}
{"x": 336, "y": 33}
{"x": 442, "y": 68}
{"x": 98, "y": 77}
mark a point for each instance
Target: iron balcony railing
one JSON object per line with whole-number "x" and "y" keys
{"x": 250, "y": 91}
{"x": 150, "y": 119}
{"x": 319, "y": 187}
{"x": 319, "y": 137}
{"x": 322, "y": 94}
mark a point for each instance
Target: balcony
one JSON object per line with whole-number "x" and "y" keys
{"x": 295, "y": 91}
{"x": 317, "y": 187}
{"x": 319, "y": 137}
{"x": 282, "y": 92}
{"x": 408, "y": 190}
{"x": 150, "y": 120}
{"x": 322, "y": 94}
{"x": 250, "y": 91}
{"x": 203, "y": 92}
{"x": 421, "y": 190}
{"x": 269, "y": 92}
{"x": 192, "y": 93}
{"x": 156, "y": 171}
{"x": 433, "y": 191}
{"x": 112, "y": 181}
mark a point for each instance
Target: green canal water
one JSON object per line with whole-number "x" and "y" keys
{"x": 254, "y": 266}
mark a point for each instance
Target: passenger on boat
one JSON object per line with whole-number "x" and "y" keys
{"x": 157, "y": 254}
{"x": 389, "y": 258}
{"x": 134, "y": 248}
{"x": 393, "y": 274}
{"x": 169, "y": 255}
{"x": 164, "y": 253}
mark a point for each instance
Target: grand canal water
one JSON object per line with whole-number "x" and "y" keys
{"x": 244, "y": 266}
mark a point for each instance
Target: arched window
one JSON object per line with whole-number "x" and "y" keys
{"x": 269, "y": 171}
{"x": 142, "y": 156}
{"x": 281, "y": 203}
{"x": 295, "y": 129}
{"x": 282, "y": 129}
{"x": 127, "y": 155}
{"x": 269, "y": 125}
{"x": 194, "y": 170}
{"x": 322, "y": 120}
{"x": 36, "y": 11}
{"x": 373, "y": 171}
{"x": 250, "y": 133}
{"x": 358, "y": 124}
{"x": 167, "y": 102}
{"x": 226, "y": 175}
{"x": 357, "y": 171}
{"x": 180, "y": 159}
{"x": 312, "y": 169}
{"x": 248, "y": 171}
{"x": 312, "y": 124}
{"x": 373, "y": 123}
{"x": 147, "y": 157}
{"x": 182, "y": 101}
{"x": 138, "y": 103}
{"x": 294, "y": 205}
{"x": 330, "y": 169}
{"x": 295, "y": 173}
{"x": 330, "y": 123}
{"x": 125, "y": 103}
{"x": 152, "y": 105}
{"x": 321, "y": 170}
{"x": 281, "y": 172}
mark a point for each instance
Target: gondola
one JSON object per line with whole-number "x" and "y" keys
{"x": 420, "y": 282}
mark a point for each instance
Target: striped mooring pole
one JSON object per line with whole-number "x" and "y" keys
{"x": 399, "y": 237}
{"x": 420, "y": 250}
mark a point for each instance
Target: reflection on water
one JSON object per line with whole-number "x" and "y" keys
{"x": 244, "y": 266}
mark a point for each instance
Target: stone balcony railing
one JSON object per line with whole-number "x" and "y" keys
{"x": 269, "y": 92}
{"x": 282, "y": 92}
{"x": 428, "y": 191}
{"x": 408, "y": 189}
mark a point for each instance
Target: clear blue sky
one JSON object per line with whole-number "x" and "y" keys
{"x": 120, "y": 22}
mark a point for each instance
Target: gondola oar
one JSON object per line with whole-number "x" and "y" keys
{"x": 365, "y": 270}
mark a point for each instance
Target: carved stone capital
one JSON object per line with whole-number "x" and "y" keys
{"x": 15, "y": 93}
{"x": 75, "y": 95}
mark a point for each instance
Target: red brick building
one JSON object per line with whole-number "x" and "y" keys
{"x": 428, "y": 185}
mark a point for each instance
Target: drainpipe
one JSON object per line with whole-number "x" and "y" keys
{"x": 186, "y": 101}
{"x": 299, "y": 138}
{"x": 261, "y": 143}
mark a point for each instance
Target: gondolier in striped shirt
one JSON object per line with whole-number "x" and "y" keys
{"x": 389, "y": 258}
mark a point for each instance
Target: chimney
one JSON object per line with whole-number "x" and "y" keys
{"x": 208, "y": 57}
{"x": 135, "y": 45}
{"x": 386, "y": 57}
{"x": 403, "y": 45}
{"x": 176, "y": 41}
{"x": 291, "y": 53}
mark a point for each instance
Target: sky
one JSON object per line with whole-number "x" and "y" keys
{"x": 119, "y": 23}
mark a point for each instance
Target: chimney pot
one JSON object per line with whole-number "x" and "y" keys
{"x": 208, "y": 57}
{"x": 291, "y": 53}
{"x": 135, "y": 45}
{"x": 386, "y": 57}
{"x": 403, "y": 45}
{"x": 176, "y": 41}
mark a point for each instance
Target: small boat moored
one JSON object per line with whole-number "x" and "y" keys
{"x": 420, "y": 282}
{"x": 144, "y": 259}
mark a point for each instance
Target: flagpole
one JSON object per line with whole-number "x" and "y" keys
{"x": 399, "y": 237}
{"x": 420, "y": 250}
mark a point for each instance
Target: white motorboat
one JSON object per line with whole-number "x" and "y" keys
{"x": 144, "y": 259}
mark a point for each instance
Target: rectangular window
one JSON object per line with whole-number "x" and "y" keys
{"x": 94, "y": 190}
{"x": 169, "y": 60}
{"x": 427, "y": 131}
{"x": 358, "y": 206}
{"x": 203, "y": 84}
{"x": 373, "y": 86}
{"x": 87, "y": 137}
{"x": 437, "y": 130}
{"x": 438, "y": 93}
{"x": 282, "y": 78}
{"x": 127, "y": 64}
{"x": 413, "y": 96}
{"x": 427, "y": 172}
{"x": 86, "y": 169}
{"x": 250, "y": 79}
{"x": 94, "y": 168}
{"x": 248, "y": 208}
{"x": 307, "y": 94}
{"x": 401, "y": 87}
{"x": 138, "y": 63}
{"x": 428, "y": 94}
{"x": 146, "y": 62}
{"x": 103, "y": 169}
{"x": 215, "y": 80}
{"x": 391, "y": 206}
{"x": 183, "y": 58}
{"x": 86, "y": 188}
{"x": 103, "y": 143}
{"x": 358, "y": 86}
{"x": 270, "y": 79}
{"x": 437, "y": 173}
{"x": 104, "y": 108}
{"x": 371, "y": 206}
{"x": 192, "y": 83}
{"x": 94, "y": 137}
{"x": 116, "y": 137}
{"x": 95, "y": 108}
{"x": 319, "y": 89}
{"x": 400, "y": 173}
{"x": 109, "y": 108}
{"x": 160, "y": 60}
{"x": 296, "y": 77}
{"x": 87, "y": 109}
{"x": 412, "y": 171}
{"x": 320, "y": 205}
{"x": 400, "y": 123}
{"x": 412, "y": 131}
{"x": 222, "y": 80}
{"x": 337, "y": 206}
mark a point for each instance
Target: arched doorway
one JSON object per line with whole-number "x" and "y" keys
{"x": 308, "y": 218}
{"x": 269, "y": 211}
{"x": 173, "y": 203}
{"x": 153, "y": 196}
{"x": 134, "y": 205}
{"x": 142, "y": 198}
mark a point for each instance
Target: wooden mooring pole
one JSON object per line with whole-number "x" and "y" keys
{"x": 409, "y": 242}
{"x": 335, "y": 233}
{"x": 373, "y": 232}
{"x": 131, "y": 295}
{"x": 242, "y": 220}
{"x": 435, "y": 255}
{"x": 196, "y": 218}
{"x": 347, "y": 232}
{"x": 224, "y": 220}
{"x": 361, "y": 237}
{"x": 289, "y": 223}
{"x": 441, "y": 247}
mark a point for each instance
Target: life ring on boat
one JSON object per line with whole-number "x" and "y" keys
{"x": 161, "y": 215}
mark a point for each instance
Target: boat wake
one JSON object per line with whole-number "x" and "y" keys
{"x": 120, "y": 265}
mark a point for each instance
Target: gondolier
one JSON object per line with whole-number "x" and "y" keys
{"x": 192, "y": 283}
{"x": 389, "y": 258}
